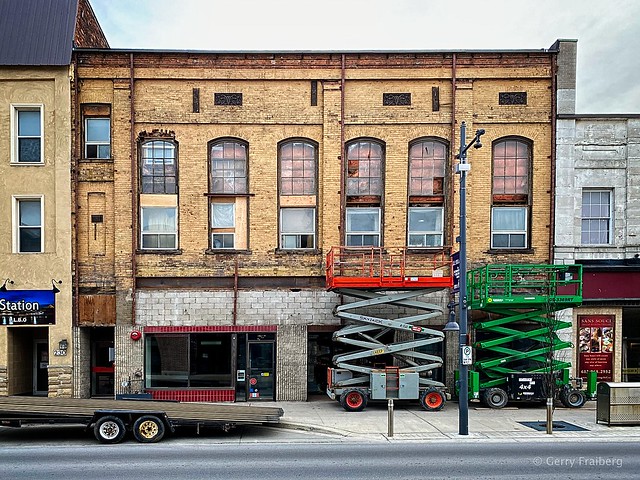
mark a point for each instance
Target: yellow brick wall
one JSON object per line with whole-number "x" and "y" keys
{"x": 276, "y": 106}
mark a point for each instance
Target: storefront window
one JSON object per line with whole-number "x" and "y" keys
{"x": 200, "y": 360}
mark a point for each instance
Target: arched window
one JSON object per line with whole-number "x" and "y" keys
{"x": 158, "y": 167}
{"x": 228, "y": 189}
{"x": 298, "y": 167}
{"x": 427, "y": 161}
{"x": 297, "y": 161}
{"x": 511, "y": 199}
{"x": 228, "y": 166}
{"x": 364, "y": 186}
{"x": 365, "y": 159}
{"x": 511, "y": 160}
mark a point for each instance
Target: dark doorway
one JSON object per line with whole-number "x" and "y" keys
{"x": 102, "y": 358}
{"x": 255, "y": 371}
{"x": 41, "y": 368}
{"x": 261, "y": 370}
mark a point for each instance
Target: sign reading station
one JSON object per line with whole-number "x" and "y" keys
{"x": 27, "y": 307}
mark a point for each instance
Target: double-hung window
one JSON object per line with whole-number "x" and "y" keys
{"x": 223, "y": 225}
{"x": 159, "y": 228}
{"x": 511, "y": 194}
{"x": 27, "y": 135}
{"x": 28, "y": 225}
{"x": 509, "y": 227}
{"x": 97, "y": 138}
{"x": 596, "y": 217}
{"x": 425, "y": 226}
{"x": 363, "y": 227}
{"x": 297, "y": 228}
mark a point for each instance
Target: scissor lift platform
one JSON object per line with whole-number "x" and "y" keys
{"x": 391, "y": 281}
{"x": 519, "y": 334}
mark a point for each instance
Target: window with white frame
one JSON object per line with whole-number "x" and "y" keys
{"x": 596, "y": 217}
{"x": 158, "y": 172}
{"x": 223, "y": 224}
{"x": 159, "y": 228}
{"x": 297, "y": 228}
{"x": 97, "y": 138}
{"x": 27, "y": 137}
{"x": 425, "y": 227}
{"x": 363, "y": 227}
{"x": 508, "y": 227}
{"x": 28, "y": 225}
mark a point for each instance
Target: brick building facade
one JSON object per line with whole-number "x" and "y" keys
{"x": 210, "y": 186}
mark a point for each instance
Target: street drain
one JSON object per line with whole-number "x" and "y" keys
{"x": 560, "y": 426}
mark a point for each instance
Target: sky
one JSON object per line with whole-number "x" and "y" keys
{"x": 608, "y": 32}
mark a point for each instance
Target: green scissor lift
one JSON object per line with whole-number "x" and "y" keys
{"x": 519, "y": 333}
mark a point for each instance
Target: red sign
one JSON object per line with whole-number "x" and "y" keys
{"x": 595, "y": 346}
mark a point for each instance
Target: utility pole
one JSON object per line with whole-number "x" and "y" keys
{"x": 462, "y": 168}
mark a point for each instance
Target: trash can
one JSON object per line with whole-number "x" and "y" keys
{"x": 618, "y": 403}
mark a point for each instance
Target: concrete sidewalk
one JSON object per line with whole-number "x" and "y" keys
{"x": 411, "y": 422}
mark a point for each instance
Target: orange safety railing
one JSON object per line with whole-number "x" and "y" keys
{"x": 375, "y": 267}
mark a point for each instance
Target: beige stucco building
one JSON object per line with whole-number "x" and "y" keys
{"x": 36, "y": 307}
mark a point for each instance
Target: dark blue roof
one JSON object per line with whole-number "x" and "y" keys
{"x": 37, "y": 32}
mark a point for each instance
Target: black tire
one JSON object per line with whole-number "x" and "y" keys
{"x": 148, "y": 429}
{"x": 109, "y": 429}
{"x": 353, "y": 400}
{"x": 432, "y": 399}
{"x": 572, "y": 398}
{"x": 495, "y": 398}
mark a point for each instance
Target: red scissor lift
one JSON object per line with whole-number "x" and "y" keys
{"x": 386, "y": 280}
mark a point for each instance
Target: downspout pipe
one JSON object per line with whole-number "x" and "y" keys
{"x": 343, "y": 160}
{"x": 451, "y": 149}
{"x": 134, "y": 191}
{"x": 343, "y": 193}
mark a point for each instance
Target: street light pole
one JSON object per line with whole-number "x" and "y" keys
{"x": 462, "y": 168}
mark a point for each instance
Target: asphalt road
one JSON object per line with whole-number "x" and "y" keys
{"x": 258, "y": 454}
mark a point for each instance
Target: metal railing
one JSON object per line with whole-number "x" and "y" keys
{"x": 375, "y": 267}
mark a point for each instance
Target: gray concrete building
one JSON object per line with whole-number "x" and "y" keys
{"x": 597, "y": 225}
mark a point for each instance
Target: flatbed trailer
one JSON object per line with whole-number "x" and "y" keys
{"x": 147, "y": 420}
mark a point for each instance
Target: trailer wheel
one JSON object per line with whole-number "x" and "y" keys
{"x": 109, "y": 429}
{"x": 148, "y": 429}
{"x": 495, "y": 398}
{"x": 432, "y": 400}
{"x": 353, "y": 400}
{"x": 572, "y": 398}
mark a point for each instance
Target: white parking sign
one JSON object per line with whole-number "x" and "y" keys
{"x": 467, "y": 358}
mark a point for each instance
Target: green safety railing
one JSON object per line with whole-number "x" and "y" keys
{"x": 522, "y": 285}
